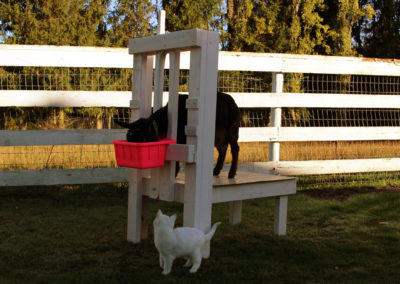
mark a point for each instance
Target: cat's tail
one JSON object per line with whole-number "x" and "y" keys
{"x": 211, "y": 233}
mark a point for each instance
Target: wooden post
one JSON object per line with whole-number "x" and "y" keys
{"x": 155, "y": 182}
{"x": 167, "y": 173}
{"x": 161, "y": 22}
{"x": 235, "y": 212}
{"x": 200, "y": 132}
{"x": 281, "y": 203}
{"x": 276, "y": 115}
{"x": 141, "y": 107}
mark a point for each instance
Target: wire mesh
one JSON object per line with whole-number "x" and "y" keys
{"x": 102, "y": 79}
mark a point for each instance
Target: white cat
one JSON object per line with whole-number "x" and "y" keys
{"x": 180, "y": 242}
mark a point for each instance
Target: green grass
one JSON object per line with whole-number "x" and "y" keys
{"x": 78, "y": 235}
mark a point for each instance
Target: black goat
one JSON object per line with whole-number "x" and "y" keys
{"x": 226, "y": 129}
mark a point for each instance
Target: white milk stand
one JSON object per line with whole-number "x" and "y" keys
{"x": 198, "y": 190}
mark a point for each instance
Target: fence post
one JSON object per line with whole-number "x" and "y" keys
{"x": 276, "y": 114}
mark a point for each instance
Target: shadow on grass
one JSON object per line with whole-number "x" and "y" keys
{"x": 78, "y": 234}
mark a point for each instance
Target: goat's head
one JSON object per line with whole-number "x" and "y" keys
{"x": 141, "y": 130}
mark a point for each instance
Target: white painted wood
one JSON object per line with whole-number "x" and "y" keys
{"x": 161, "y": 22}
{"x": 243, "y": 100}
{"x": 167, "y": 189}
{"x": 248, "y": 134}
{"x": 159, "y": 81}
{"x": 235, "y": 212}
{"x": 249, "y": 186}
{"x": 317, "y": 167}
{"x": 60, "y": 137}
{"x": 202, "y": 86}
{"x": 62, "y": 176}
{"x": 173, "y": 96}
{"x": 245, "y": 191}
{"x": 276, "y": 115}
{"x": 245, "y": 186}
{"x": 293, "y": 63}
{"x": 160, "y": 180}
{"x": 142, "y": 82}
{"x": 134, "y": 224}
{"x": 180, "y": 152}
{"x": 281, "y": 203}
{"x": 64, "y": 56}
{"x": 182, "y": 40}
{"x": 64, "y": 98}
{"x": 69, "y": 56}
{"x": 254, "y": 134}
{"x": 275, "y": 100}
{"x": 157, "y": 103}
{"x": 338, "y": 133}
{"x": 257, "y": 134}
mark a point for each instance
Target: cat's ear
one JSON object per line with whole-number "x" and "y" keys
{"x": 172, "y": 219}
{"x": 159, "y": 212}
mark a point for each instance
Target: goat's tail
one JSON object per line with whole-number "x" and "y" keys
{"x": 211, "y": 233}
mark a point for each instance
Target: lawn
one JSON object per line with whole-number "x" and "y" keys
{"x": 77, "y": 234}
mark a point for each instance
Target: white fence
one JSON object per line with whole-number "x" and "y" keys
{"x": 277, "y": 64}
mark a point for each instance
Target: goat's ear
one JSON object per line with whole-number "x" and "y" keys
{"x": 122, "y": 124}
{"x": 151, "y": 130}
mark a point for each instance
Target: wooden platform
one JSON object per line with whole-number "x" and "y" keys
{"x": 244, "y": 186}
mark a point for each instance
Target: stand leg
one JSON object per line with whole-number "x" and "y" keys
{"x": 197, "y": 203}
{"x": 145, "y": 218}
{"x": 235, "y": 214}
{"x": 280, "y": 215}
{"x": 134, "y": 206}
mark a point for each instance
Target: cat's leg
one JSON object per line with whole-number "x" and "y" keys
{"x": 168, "y": 261}
{"x": 196, "y": 259}
{"x": 161, "y": 261}
{"x": 188, "y": 262}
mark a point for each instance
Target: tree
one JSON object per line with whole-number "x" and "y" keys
{"x": 380, "y": 36}
{"x": 129, "y": 19}
{"x": 342, "y": 17}
{"x": 58, "y": 22}
{"x": 188, "y": 14}
{"x": 71, "y": 22}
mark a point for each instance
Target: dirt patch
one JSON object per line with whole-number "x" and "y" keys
{"x": 342, "y": 194}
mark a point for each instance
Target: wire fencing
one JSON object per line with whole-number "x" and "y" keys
{"x": 103, "y": 79}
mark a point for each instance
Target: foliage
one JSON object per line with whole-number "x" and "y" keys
{"x": 379, "y": 36}
{"x": 202, "y": 14}
{"x": 129, "y": 19}
{"x": 76, "y": 22}
{"x": 338, "y": 27}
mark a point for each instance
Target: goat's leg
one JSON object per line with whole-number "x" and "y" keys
{"x": 177, "y": 168}
{"x": 235, "y": 152}
{"x": 221, "y": 158}
{"x": 235, "y": 158}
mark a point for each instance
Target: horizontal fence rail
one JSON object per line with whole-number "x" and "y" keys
{"x": 276, "y": 101}
{"x": 101, "y": 57}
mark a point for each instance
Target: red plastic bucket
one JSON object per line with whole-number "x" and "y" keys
{"x": 141, "y": 155}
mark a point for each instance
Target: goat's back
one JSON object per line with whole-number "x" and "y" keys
{"x": 227, "y": 116}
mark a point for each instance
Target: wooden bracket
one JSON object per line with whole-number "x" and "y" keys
{"x": 135, "y": 104}
{"x": 181, "y": 153}
{"x": 191, "y": 130}
{"x": 192, "y": 103}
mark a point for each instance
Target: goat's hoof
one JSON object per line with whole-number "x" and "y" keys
{"x": 216, "y": 172}
{"x": 231, "y": 175}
